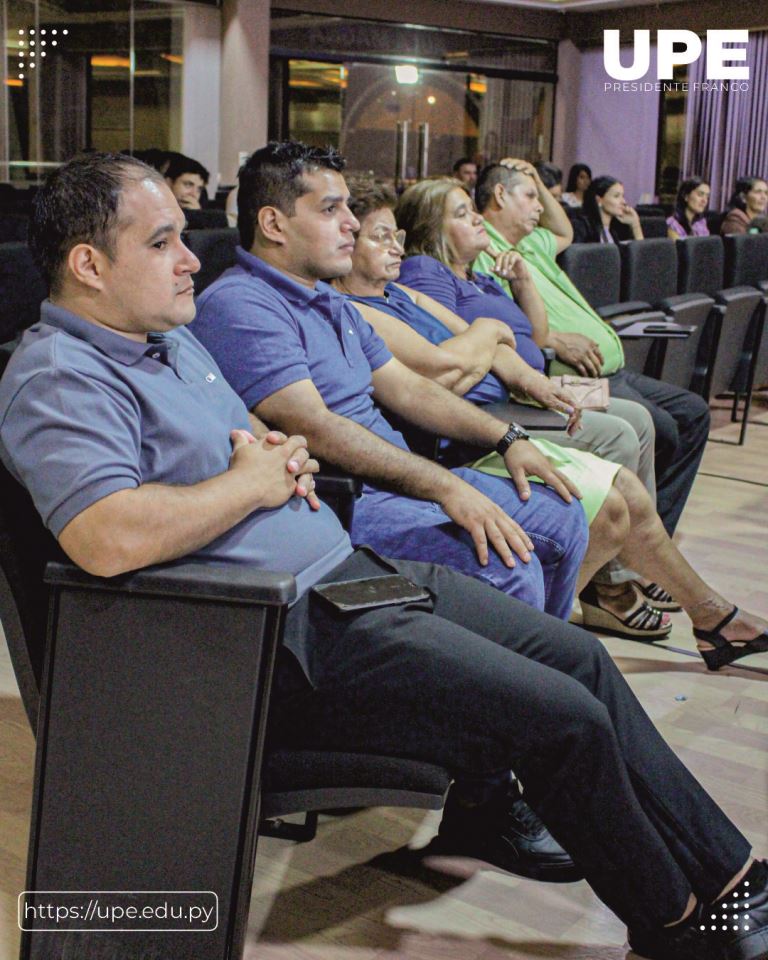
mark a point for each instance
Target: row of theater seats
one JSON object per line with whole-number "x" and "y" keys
{"x": 716, "y": 286}
{"x": 653, "y": 219}
{"x": 14, "y": 226}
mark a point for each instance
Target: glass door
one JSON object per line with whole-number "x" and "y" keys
{"x": 401, "y": 121}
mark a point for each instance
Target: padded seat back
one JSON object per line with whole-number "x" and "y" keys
{"x": 13, "y": 228}
{"x": 23, "y": 290}
{"x": 700, "y": 265}
{"x": 653, "y": 225}
{"x": 595, "y": 269}
{"x": 215, "y": 249}
{"x": 208, "y": 219}
{"x": 746, "y": 259}
{"x": 648, "y": 269}
{"x": 25, "y": 548}
{"x": 736, "y": 347}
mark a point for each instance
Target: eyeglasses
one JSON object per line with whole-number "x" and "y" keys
{"x": 388, "y": 238}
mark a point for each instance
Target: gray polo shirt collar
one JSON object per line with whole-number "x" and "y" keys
{"x": 114, "y": 345}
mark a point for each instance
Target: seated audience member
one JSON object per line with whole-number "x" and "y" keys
{"x": 110, "y": 413}
{"x": 465, "y": 169}
{"x": 513, "y": 201}
{"x": 605, "y": 216}
{"x": 579, "y": 178}
{"x": 689, "y": 218}
{"x": 748, "y": 200}
{"x": 187, "y": 179}
{"x": 552, "y": 178}
{"x": 298, "y": 352}
{"x": 416, "y": 331}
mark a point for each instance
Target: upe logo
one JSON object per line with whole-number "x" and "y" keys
{"x": 675, "y": 48}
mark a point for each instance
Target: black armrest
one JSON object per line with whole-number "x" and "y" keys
{"x": 619, "y": 309}
{"x": 329, "y": 483}
{"x": 232, "y": 583}
{"x": 735, "y": 294}
{"x": 549, "y": 355}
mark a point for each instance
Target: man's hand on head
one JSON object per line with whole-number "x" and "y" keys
{"x": 281, "y": 466}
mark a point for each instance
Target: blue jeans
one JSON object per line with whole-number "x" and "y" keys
{"x": 408, "y": 529}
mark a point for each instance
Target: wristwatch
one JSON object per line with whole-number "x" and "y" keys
{"x": 515, "y": 432}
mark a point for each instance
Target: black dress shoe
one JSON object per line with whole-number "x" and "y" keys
{"x": 504, "y": 832}
{"x": 733, "y": 928}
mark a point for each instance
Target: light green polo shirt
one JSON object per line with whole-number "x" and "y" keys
{"x": 567, "y": 310}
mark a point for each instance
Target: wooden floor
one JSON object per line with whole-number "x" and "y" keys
{"x": 357, "y": 892}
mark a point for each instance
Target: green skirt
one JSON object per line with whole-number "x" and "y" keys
{"x": 592, "y": 475}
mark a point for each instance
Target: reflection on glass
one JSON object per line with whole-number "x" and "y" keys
{"x": 75, "y": 80}
{"x": 357, "y": 107}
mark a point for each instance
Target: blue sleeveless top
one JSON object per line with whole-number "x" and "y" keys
{"x": 399, "y": 305}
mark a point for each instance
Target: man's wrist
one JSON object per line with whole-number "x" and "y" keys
{"x": 514, "y": 432}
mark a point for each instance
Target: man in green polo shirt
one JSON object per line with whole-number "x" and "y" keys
{"x": 521, "y": 214}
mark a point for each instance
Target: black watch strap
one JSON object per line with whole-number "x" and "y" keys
{"x": 515, "y": 432}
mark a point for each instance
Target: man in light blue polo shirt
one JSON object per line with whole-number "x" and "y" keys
{"x": 302, "y": 358}
{"x": 136, "y": 452}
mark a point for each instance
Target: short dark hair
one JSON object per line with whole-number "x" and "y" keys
{"x": 274, "y": 177}
{"x": 179, "y": 165}
{"x": 376, "y": 197}
{"x": 489, "y": 177}
{"x": 80, "y": 203}
{"x": 549, "y": 173}
{"x": 461, "y": 161}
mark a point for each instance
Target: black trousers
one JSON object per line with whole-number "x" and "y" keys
{"x": 681, "y": 420}
{"x": 479, "y": 683}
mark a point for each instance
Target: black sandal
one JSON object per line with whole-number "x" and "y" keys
{"x": 658, "y": 597}
{"x": 643, "y": 623}
{"x": 725, "y": 651}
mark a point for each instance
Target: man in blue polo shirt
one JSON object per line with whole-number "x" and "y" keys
{"x": 302, "y": 358}
{"x": 136, "y": 452}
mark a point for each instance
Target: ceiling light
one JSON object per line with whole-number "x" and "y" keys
{"x": 407, "y": 73}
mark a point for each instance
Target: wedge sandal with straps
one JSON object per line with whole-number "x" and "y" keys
{"x": 658, "y": 597}
{"x": 641, "y": 623}
{"x": 725, "y": 651}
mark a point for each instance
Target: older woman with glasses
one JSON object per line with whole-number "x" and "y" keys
{"x": 479, "y": 362}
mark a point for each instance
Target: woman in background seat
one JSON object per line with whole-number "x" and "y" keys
{"x": 689, "y": 218}
{"x": 606, "y": 217}
{"x": 748, "y": 200}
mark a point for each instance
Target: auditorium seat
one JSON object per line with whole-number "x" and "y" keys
{"x": 215, "y": 249}
{"x": 653, "y": 225}
{"x": 649, "y": 273}
{"x": 746, "y": 262}
{"x": 24, "y": 289}
{"x": 735, "y": 325}
{"x": 173, "y": 663}
{"x": 208, "y": 219}
{"x": 13, "y": 227}
{"x": 595, "y": 268}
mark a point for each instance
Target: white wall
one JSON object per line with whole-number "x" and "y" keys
{"x": 200, "y": 88}
{"x": 244, "y": 81}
